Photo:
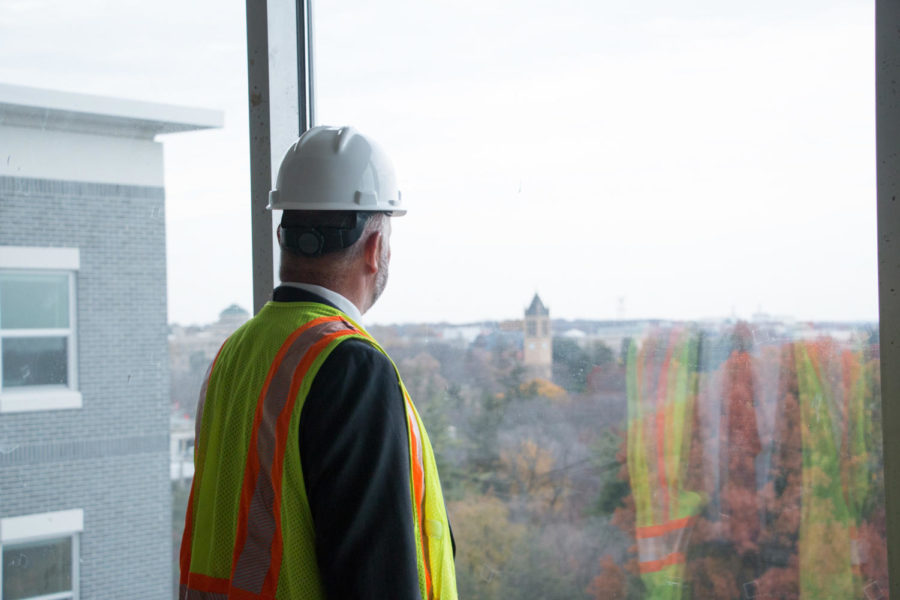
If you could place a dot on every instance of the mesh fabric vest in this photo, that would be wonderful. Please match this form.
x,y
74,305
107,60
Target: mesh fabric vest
x,y
248,529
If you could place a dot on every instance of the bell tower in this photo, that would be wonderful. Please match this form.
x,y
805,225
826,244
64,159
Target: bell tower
x,y
538,355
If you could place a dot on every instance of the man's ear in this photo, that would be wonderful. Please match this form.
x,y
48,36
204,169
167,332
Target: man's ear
x,y
372,252
278,234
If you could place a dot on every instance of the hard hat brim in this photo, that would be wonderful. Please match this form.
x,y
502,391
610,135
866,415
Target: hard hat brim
x,y
274,204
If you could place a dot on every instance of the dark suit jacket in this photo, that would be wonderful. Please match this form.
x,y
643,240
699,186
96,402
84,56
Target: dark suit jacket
x,y
354,451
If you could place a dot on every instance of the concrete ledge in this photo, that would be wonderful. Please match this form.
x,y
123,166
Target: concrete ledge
x,y
31,401
43,525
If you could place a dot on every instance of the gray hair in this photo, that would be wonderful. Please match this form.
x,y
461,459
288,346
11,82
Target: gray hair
x,y
328,269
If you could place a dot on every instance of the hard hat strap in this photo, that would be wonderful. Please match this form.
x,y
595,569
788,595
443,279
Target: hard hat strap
x,y
321,239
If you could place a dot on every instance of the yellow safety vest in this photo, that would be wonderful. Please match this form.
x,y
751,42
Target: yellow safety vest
x,y
248,530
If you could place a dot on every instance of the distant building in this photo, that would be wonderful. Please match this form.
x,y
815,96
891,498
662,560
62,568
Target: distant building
x,y
191,350
85,495
462,335
233,317
181,449
202,342
538,342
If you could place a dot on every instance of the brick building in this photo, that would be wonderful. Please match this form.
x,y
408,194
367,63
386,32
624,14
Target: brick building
x,y
85,500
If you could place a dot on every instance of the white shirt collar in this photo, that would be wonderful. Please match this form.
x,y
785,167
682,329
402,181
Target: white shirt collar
x,y
339,301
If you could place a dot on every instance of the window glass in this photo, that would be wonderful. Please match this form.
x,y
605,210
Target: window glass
x,y
34,301
34,361
690,186
674,181
37,569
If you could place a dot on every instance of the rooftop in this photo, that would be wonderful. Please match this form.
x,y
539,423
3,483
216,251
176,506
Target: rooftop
x,y
537,308
22,106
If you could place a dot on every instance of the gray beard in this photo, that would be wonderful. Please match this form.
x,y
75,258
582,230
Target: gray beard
x,y
381,278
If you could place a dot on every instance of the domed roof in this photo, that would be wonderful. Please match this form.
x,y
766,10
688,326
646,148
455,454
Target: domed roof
x,y
234,311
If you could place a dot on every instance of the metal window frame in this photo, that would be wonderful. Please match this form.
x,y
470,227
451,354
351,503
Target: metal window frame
x,y
887,133
887,55
260,127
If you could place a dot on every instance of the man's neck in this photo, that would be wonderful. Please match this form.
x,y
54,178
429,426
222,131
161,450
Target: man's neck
x,y
339,300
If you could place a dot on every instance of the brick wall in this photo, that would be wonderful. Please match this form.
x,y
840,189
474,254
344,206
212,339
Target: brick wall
x,y
110,457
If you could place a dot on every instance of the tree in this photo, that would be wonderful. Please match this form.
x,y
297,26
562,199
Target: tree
x,y
486,543
571,364
724,551
610,584
740,440
812,409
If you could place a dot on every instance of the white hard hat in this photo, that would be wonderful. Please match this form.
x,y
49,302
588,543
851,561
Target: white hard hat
x,y
336,168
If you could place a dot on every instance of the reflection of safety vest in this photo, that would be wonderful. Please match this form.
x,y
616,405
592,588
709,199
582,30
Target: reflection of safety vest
x,y
248,530
661,396
826,529
661,546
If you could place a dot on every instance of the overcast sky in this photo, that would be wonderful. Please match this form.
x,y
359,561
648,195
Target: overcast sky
x,y
680,159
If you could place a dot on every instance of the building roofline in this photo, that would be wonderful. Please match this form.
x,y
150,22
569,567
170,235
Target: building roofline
x,y
22,106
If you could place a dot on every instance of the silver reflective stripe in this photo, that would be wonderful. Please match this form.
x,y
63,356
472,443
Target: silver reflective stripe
x,y
654,548
184,593
254,559
659,547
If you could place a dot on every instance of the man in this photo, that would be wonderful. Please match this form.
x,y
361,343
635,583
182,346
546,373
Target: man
x,y
314,477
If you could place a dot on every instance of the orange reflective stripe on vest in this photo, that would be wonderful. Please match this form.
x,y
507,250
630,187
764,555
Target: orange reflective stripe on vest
x,y
660,546
418,477
258,542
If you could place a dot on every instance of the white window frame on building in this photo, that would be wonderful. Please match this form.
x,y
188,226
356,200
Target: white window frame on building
x,y
44,261
44,527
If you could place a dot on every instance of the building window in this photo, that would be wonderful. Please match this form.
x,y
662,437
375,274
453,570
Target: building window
x,y
532,328
38,358
40,556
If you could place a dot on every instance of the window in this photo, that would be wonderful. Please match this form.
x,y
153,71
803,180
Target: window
x,y
723,441
40,556
38,362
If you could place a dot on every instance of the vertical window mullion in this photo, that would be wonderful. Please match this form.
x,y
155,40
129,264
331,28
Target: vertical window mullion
x,y
76,575
268,79
887,108
72,355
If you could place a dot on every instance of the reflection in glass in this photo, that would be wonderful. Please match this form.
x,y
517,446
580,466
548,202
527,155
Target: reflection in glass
x,y
37,569
676,461
284,103
35,361
753,465
34,301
